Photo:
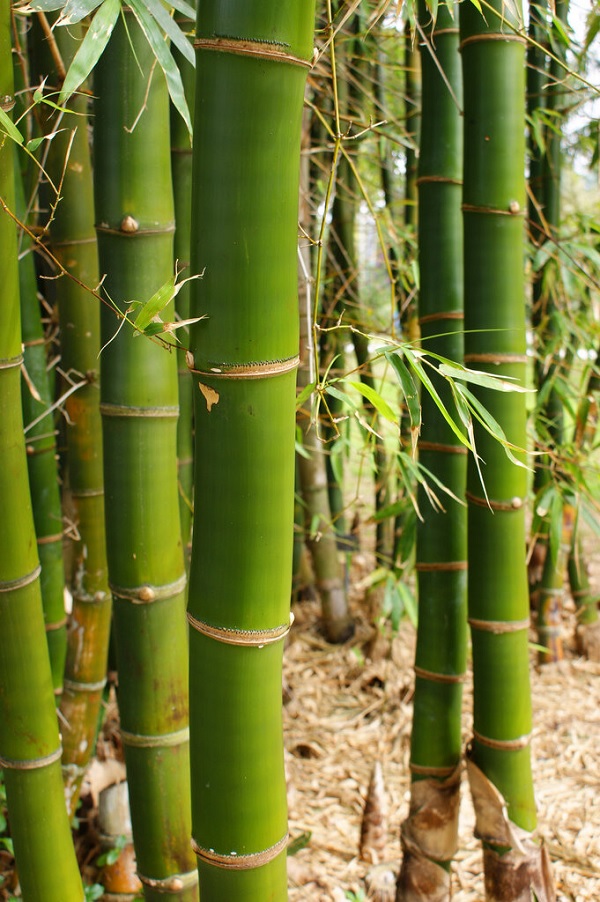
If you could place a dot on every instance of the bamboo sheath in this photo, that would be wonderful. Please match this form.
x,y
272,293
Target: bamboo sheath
x,y
252,62
441,551
134,214
41,453
29,740
493,56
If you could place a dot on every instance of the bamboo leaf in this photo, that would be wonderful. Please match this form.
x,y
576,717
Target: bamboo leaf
x,y
9,127
379,403
409,389
341,396
185,9
91,48
491,425
171,29
299,842
305,393
155,305
486,380
555,527
165,60
426,381
76,10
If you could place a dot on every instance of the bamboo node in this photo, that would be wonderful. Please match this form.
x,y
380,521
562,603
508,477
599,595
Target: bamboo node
x,y
10,585
75,686
441,566
146,594
230,636
436,677
11,362
426,771
31,763
508,745
256,370
121,410
57,625
262,49
174,883
158,741
514,504
129,224
237,862
498,626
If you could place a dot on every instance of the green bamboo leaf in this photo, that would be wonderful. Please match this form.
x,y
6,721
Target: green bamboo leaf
x,y
379,403
336,453
305,393
491,425
409,389
299,842
427,383
43,6
165,60
76,10
185,9
487,380
8,126
341,396
91,48
153,307
409,602
171,29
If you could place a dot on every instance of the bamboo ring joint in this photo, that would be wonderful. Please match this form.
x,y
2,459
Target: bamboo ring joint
x,y
11,362
12,584
236,862
444,314
261,49
444,449
258,370
497,359
439,677
75,686
251,638
441,566
31,763
120,410
425,771
498,627
514,504
491,36
56,625
174,883
160,741
506,745
146,594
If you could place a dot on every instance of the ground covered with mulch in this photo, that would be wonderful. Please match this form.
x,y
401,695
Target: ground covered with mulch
x,y
347,707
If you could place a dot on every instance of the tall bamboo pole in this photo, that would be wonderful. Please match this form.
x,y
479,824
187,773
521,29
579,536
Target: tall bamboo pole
x,y
430,833
73,243
251,68
29,741
493,54
134,209
37,398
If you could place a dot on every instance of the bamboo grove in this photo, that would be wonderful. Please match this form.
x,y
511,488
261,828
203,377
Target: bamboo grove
x,y
265,303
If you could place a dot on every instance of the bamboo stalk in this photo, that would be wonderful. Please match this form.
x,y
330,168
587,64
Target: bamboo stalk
x,y
493,54
29,740
429,841
134,208
251,68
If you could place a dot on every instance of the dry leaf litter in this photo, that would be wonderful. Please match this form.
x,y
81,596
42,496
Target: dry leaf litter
x,y
348,707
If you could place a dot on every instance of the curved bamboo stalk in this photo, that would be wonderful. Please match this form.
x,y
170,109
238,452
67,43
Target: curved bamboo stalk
x,y
493,54
429,842
134,208
252,63
29,740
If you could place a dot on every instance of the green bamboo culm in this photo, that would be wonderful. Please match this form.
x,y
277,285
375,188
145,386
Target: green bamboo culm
x,y
29,740
441,550
73,243
499,761
252,61
134,214
181,163
42,465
